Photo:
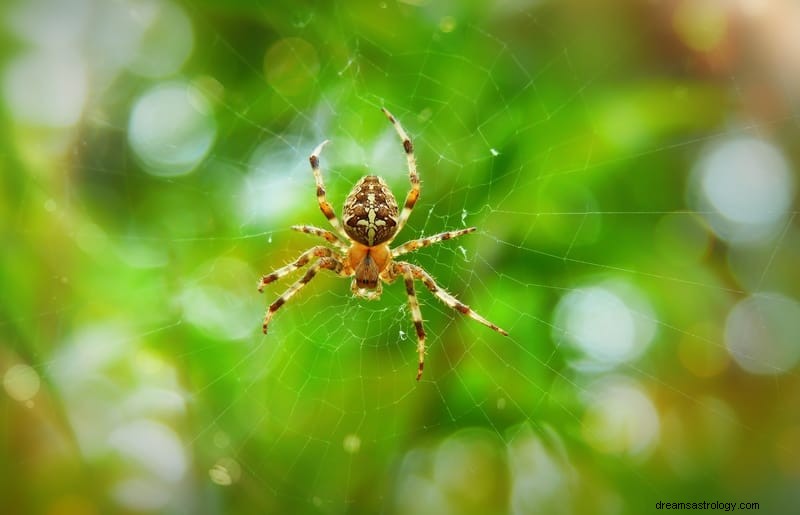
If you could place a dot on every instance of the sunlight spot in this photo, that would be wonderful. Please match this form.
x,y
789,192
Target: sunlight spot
x,y
291,66
701,24
151,400
747,184
91,239
167,41
542,478
447,24
494,152
698,437
608,324
352,443
213,302
466,467
142,494
21,382
142,254
221,439
47,89
279,179
225,472
171,129
620,418
53,24
153,446
210,88
761,333
754,8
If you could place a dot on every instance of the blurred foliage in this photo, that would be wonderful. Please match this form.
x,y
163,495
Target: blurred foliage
x,y
136,376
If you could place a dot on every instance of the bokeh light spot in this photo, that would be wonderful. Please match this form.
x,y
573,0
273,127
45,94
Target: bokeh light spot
x,y
152,445
171,129
600,323
620,418
291,66
167,41
225,472
746,183
51,24
21,382
465,466
141,494
761,333
220,309
701,24
541,476
352,443
46,89
279,179
447,24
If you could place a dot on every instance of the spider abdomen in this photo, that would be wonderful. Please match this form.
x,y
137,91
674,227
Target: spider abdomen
x,y
370,212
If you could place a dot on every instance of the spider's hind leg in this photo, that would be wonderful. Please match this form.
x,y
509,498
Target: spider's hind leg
x,y
445,297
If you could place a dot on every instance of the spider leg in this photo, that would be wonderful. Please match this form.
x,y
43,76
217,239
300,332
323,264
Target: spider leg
x,y
411,246
454,303
413,176
324,205
329,263
416,316
322,233
317,251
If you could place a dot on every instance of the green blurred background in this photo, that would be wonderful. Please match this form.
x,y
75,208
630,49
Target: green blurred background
x,y
631,168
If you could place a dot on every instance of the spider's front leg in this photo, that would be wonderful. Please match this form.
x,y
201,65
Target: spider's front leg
x,y
330,263
322,199
317,251
413,175
322,233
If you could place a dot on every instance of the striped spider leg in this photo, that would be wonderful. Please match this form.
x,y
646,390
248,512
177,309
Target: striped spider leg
x,y
326,259
411,246
410,273
322,233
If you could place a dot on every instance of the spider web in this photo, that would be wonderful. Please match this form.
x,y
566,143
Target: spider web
x,y
619,285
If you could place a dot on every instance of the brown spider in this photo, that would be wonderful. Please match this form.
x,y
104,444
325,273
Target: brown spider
x,y
370,224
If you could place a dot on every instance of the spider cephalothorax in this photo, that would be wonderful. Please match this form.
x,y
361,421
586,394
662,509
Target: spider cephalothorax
x,y
371,222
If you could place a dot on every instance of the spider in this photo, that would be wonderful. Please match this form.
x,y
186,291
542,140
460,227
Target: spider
x,y
371,222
